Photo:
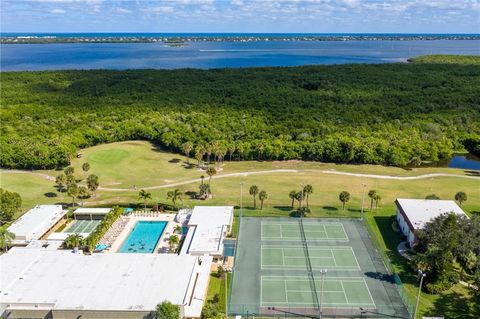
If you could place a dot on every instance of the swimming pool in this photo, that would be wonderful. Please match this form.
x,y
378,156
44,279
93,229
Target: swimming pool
x,y
143,238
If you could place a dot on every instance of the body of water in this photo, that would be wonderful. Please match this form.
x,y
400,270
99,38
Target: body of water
x,y
465,162
212,54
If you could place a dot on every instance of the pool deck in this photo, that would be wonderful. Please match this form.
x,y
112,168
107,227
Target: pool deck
x,y
162,245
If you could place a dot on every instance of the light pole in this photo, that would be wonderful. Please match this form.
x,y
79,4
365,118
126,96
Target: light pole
x,y
323,272
301,202
422,275
363,200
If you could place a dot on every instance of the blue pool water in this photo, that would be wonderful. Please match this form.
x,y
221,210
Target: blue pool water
x,y
143,238
229,248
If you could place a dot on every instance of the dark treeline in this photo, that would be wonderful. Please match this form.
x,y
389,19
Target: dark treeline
x,y
392,114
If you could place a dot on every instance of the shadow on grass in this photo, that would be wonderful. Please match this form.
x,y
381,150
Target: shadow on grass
x,y
50,194
191,194
283,208
175,160
472,173
453,305
330,208
354,210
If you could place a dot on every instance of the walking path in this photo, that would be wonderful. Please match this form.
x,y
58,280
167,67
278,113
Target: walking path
x,y
190,181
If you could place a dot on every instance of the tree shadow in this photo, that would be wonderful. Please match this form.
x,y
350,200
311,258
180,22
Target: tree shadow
x,y
331,208
191,194
453,305
283,208
50,194
380,276
189,165
175,160
354,210
472,173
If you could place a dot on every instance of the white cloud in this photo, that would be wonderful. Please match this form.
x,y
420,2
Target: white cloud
x,y
58,11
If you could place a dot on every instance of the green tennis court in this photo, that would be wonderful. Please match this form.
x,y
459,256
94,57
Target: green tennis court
x,y
82,226
313,231
293,257
332,292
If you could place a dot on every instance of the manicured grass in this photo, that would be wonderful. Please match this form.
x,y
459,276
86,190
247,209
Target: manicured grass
x,y
447,59
217,286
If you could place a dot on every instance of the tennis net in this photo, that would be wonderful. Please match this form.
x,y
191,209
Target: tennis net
x,y
309,265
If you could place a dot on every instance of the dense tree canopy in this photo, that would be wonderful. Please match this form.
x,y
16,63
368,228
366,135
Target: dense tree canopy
x,y
10,203
381,114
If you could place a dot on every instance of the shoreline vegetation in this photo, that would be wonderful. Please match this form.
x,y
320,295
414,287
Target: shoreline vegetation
x,y
447,59
142,38
389,114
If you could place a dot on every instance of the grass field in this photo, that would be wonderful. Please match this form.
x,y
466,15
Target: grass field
x,y
122,165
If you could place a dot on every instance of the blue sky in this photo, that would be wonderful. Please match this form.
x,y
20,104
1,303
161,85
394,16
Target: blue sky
x,y
379,16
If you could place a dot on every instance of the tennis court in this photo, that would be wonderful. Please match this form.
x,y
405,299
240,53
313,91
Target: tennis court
x,y
272,230
331,292
82,226
293,257
302,267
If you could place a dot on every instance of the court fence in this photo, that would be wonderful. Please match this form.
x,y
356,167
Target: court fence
x,y
409,304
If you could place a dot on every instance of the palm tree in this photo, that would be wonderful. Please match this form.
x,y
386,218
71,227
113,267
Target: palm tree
x,y
461,197
82,193
262,196
187,148
173,241
292,196
210,172
73,241
231,149
92,183
254,191
85,167
69,170
372,193
178,229
145,196
72,191
202,178
208,150
308,190
377,199
199,153
61,182
6,238
174,196
299,197
344,197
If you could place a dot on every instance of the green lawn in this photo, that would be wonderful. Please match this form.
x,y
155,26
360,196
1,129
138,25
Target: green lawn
x,y
121,165
217,286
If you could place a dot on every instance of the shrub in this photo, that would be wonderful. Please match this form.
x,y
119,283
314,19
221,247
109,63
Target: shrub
x,y
167,310
92,240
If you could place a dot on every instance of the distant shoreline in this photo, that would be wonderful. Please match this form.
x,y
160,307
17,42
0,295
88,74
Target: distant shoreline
x,y
168,39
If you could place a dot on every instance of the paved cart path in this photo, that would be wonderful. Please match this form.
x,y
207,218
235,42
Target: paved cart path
x,y
293,171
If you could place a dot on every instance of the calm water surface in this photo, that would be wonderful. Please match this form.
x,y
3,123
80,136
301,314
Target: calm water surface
x,y
21,57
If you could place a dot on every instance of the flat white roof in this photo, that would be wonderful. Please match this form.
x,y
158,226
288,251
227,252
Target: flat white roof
x,y
209,222
92,211
35,278
421,211
36,222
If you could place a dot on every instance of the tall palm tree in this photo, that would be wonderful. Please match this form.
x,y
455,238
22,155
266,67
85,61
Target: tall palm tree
x,y
92,183
199,154
82,193
254,191
344,197
372,193
461,197
145,196
299,197
61,182
174,196
377,199
202,178
208,150
307,191
72,191
6,238
187,148
231,149
262,196
210,172
292,196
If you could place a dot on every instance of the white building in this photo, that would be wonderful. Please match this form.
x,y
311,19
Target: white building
x,y
91,213
413,214
35,223
208,227
42,283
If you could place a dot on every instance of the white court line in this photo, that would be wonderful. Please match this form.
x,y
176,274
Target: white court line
x,y
369,293
286,290
334,259
344,293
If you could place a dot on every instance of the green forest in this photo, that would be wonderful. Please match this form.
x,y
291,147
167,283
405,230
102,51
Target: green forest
x,y
391,114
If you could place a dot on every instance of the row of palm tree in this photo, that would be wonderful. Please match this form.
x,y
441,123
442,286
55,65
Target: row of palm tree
x,y
305,192
262,195
68,182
